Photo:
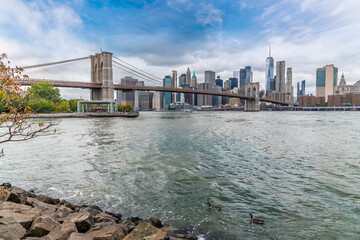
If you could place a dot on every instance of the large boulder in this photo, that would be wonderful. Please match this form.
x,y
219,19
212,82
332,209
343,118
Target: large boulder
x,y
141,231
17,195
10,229
178,234
81,236
63,211
90,210
62,232
48,200
104,217
127,226
82,220
154,221
42,226
44,207
103,230
22,214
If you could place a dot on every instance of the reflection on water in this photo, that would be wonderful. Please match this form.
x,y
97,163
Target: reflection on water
x,y
297,170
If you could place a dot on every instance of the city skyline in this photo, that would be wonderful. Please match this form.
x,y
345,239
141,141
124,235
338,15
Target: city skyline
x,y
160,36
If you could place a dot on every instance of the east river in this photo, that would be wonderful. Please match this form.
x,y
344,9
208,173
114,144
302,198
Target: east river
x,y
299,171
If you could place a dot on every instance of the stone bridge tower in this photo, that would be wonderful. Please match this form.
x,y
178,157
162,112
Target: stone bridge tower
x,y
252,89
101,72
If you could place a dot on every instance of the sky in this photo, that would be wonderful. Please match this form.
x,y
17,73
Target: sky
x,y
163,35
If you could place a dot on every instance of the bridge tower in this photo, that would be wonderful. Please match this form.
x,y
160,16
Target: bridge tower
x,y
252,89
101,72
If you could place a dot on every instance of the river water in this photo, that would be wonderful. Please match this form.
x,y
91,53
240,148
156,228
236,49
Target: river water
x,y
299,171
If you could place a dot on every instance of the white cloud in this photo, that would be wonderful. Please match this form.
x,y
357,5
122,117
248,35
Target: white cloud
x,y
207,14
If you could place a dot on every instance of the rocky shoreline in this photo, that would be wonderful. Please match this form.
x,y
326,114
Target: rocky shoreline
x,y
25,215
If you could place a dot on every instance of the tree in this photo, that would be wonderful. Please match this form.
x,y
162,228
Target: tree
x,y
14,124
45,90
125,108
73,104
63,106
42,106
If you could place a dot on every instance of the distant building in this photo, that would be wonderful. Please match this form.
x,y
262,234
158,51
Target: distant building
x,y
182,80
236,74
216,100
249,74
167,83
204,100
326,81
234,83
175,84
280,77
219,82
269,73
302,91
288,90
193,81
137,102
188,77
210,77
128,97
234,102
242,77
297,92
343,89
227,84
147,100
158,100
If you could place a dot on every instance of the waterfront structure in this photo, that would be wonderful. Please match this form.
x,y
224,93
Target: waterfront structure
x,y
219,82
137,100
249,75
280,76
326,81
147,100
269,73
343,89
348,99
193,81
210,77
167,83
289,92
188,77
310,101
182,80
233,83
128,97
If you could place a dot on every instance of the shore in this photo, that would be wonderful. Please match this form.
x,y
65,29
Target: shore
x,y
83,115
26,215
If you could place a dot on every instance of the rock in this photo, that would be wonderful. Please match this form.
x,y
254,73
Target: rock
x,y
90,210
11,231
7,185
31,193
119,234
17,195
103,230
45,207
135,220
62,232
62,202
178,234
42,226
159,236
141,231
47,199
127,225
104,217
20,213
81,236
96,208
82,220
154,221
63,211
70,205
118,216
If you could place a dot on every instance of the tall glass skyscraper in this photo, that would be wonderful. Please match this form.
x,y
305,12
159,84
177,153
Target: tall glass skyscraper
x,y
167,82
269,74
249,74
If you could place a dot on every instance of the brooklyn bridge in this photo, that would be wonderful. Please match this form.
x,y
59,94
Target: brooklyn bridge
x,y
102,86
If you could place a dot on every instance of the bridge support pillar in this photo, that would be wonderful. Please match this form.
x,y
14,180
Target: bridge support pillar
x,y
252,105
101,72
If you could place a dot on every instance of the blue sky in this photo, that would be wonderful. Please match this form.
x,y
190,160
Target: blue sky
x,y
161,35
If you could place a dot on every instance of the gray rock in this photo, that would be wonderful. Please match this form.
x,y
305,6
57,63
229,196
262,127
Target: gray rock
x,y
44,207
17,195
70,205
20,213
90,210
62,232
127,226
11,231
82,220
154,221
81,236
141,231
103,230
64,211
42,226
104,217
119,234
47,199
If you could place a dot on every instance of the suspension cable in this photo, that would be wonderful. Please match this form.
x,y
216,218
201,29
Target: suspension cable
x,y
54,63
137,75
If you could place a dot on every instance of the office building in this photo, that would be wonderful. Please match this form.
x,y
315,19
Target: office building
x,y
219,82
234,83
297,92
188,77
128,97
288,87
182,80
210,77
147,100
158,100
216,100
343,89
137,102
326,81
204,100
302,91
227,85
249,75
167,83
193,81
269,72
280,77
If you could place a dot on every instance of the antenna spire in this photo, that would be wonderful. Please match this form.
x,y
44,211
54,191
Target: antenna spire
x,y
269,50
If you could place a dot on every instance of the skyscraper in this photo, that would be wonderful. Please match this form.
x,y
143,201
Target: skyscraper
x,y
269,74
288,90
326,81
167,82
182,80
188,77
219,82
303,87
298,92
174,78
280,76
193,80
210,77
233,82
249,74
128,97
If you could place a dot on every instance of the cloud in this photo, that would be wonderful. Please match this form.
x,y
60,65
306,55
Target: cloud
x,y
207,14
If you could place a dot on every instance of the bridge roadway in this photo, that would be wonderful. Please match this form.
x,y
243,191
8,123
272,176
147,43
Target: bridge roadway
x,y
90,85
